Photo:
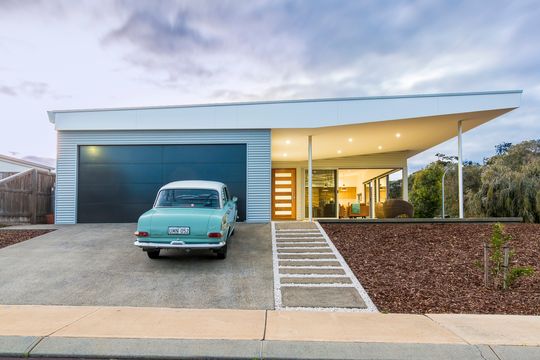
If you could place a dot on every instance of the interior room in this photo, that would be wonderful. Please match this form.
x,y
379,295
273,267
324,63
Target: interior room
x,y
356,186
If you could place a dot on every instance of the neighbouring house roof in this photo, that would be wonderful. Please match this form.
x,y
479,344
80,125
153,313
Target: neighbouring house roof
x,y
23,163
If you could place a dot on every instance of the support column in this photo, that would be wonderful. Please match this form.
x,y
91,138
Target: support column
x,y
460,169
310,180
371,200
376,190
405,182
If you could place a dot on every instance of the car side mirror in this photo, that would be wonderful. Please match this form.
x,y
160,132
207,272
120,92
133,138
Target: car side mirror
x,y
234,199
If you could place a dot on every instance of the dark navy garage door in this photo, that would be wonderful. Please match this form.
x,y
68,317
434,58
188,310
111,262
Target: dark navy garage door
x,y
117,183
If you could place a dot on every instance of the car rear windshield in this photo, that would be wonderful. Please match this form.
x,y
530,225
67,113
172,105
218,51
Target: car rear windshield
x,y
188,198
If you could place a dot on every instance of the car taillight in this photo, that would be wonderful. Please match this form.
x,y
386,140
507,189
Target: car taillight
x,y
141,233
214,235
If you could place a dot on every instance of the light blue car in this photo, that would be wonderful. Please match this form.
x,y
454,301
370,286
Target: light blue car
x,y
188,215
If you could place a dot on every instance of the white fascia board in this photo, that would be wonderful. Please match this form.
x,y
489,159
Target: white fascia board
x,y
284,114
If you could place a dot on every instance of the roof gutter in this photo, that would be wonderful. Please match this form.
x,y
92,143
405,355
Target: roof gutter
x,y
53,113
52,116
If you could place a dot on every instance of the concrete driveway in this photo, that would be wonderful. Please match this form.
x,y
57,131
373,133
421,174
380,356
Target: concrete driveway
x,y
97,264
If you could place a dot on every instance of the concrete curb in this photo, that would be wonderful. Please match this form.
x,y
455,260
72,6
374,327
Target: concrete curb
x,y
124,332
252,349
18,346
372,351
147,348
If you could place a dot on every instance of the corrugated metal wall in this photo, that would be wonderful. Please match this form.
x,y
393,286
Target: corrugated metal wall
x,y
258,162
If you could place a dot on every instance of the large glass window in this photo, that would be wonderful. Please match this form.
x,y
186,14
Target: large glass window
x,y
395,183
324,193
188,198
383,189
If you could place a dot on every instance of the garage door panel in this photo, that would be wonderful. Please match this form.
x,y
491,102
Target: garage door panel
x,y
122,154
115,194
204,153
224,172
119,183
101,212
124,174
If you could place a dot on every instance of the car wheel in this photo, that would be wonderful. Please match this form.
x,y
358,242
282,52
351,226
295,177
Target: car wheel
x,y
222,253
153,254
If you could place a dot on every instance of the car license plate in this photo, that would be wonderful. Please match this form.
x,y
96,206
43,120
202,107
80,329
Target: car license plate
x,y
178,230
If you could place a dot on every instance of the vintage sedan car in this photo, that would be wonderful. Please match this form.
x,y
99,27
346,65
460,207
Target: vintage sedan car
x,y
188,215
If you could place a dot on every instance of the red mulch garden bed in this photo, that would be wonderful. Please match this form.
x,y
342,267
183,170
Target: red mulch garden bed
x,y
10,237
434,268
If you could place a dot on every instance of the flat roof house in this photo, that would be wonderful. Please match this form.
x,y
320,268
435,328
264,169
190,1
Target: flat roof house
x,y
10,165
111,162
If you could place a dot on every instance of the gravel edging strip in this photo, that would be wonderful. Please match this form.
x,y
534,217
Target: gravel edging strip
x,y
370,306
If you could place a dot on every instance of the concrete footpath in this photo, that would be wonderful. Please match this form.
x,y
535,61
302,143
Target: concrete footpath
x,y
129,332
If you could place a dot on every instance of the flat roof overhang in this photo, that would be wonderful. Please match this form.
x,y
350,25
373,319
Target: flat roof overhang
x,y
407,136
422,121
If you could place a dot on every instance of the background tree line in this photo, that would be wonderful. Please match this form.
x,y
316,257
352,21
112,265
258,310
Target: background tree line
x,y
506,184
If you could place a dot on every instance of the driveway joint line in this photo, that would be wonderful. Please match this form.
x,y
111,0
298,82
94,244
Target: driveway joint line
x,y
492,351
447,329
41,338
265,324
32,346
74,321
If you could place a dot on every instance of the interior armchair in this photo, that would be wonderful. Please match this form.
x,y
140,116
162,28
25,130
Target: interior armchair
x,y
356,210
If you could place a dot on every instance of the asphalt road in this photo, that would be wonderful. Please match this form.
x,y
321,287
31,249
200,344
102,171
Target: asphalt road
x,y
97,264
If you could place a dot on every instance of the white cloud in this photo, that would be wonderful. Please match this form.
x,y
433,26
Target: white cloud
x,y
65,54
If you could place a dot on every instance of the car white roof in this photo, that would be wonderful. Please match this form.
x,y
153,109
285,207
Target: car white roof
x,y
194,184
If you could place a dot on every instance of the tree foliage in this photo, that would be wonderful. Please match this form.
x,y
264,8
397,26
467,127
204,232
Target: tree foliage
x,y
511,183
426,191
507,184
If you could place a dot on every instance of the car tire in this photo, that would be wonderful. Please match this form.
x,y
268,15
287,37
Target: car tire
x,y
222,253
153,254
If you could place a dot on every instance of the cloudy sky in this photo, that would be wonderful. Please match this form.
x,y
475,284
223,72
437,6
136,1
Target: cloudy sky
x,y
85,54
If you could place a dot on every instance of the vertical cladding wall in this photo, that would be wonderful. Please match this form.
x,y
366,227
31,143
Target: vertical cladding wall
x,y
258,162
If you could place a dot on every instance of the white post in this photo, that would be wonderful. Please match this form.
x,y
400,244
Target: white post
x,y
371,200
460,170
310,179
442,188
405,182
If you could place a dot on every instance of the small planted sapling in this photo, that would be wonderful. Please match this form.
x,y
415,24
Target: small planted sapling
x,y
497,259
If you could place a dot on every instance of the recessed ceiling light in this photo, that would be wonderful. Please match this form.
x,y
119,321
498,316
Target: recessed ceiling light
x,y
284,154
380,147
350,139
287,142
398,135
339,151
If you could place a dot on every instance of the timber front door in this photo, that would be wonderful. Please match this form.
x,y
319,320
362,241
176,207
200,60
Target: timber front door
x,y
284,194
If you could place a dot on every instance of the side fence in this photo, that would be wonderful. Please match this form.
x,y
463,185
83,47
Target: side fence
x,y
26,197
4,175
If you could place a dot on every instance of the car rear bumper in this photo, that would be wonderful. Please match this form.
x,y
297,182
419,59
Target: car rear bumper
x,y
178,245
